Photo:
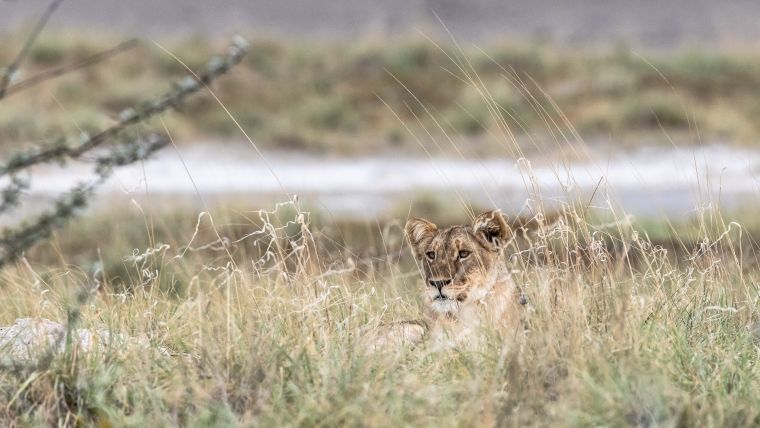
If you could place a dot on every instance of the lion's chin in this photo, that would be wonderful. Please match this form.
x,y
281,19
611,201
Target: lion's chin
x,y
445,306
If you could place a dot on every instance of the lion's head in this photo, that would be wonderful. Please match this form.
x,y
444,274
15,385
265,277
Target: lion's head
x,y
459,264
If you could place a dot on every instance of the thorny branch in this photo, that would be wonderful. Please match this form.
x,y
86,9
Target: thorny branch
x,y
9,197
126,149
69,68
14,242
140,113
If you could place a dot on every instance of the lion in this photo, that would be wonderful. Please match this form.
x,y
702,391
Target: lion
x,y
466,284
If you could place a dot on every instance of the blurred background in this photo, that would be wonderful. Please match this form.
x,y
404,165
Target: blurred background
x,y
643,23
374,111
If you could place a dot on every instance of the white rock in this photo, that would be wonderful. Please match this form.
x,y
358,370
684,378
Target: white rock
x,y
30,338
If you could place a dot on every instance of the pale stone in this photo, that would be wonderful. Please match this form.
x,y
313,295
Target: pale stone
x,y
30,338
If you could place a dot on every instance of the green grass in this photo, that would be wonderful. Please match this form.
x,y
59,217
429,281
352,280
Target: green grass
x,y
637,323
625,335
306,95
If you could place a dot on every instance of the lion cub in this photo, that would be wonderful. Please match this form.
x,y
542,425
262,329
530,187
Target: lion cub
x,y
466,283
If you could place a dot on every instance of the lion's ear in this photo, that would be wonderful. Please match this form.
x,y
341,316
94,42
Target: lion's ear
x,y
492,230
419,232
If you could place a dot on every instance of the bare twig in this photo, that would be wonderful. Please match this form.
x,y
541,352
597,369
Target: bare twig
x,y
13,242
13,67
57,72
188,86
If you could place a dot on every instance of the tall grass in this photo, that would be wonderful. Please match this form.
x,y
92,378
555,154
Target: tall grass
x,y
264,318
617,333
319,95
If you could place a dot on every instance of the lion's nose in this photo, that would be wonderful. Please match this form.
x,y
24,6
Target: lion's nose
x,y
439,284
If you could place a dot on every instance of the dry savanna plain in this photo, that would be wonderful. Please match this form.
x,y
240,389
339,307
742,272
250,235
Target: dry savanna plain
x,y
245,311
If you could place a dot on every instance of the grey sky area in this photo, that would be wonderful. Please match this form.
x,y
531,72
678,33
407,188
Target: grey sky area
x,y
642,23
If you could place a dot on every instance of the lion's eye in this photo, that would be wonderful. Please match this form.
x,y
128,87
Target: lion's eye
x,y
430,255
464,254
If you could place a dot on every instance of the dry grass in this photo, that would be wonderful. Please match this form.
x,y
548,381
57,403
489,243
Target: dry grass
x,y
264,316
618,334
323,97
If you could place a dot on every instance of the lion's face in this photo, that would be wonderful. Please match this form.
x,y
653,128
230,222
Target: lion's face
x,y
459,263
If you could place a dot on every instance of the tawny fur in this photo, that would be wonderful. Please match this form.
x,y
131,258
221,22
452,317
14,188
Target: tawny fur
x,y
466,285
